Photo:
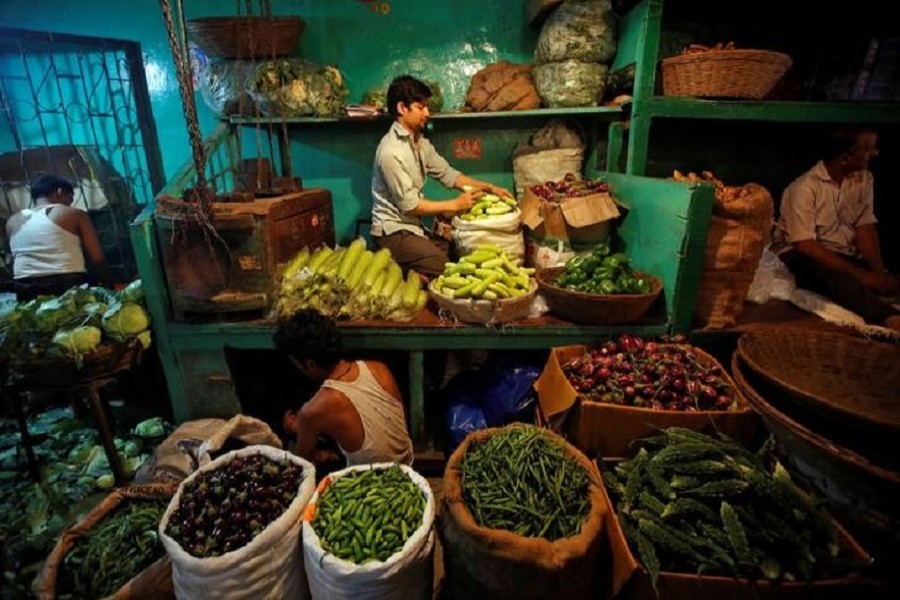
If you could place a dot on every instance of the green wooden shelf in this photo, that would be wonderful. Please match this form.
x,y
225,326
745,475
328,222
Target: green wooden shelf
x,y
751,110
611,112
258,335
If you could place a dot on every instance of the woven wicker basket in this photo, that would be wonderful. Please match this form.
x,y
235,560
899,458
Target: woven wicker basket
x,y
246,36
837,376
595,309
867,492
106,360
724,73
487,312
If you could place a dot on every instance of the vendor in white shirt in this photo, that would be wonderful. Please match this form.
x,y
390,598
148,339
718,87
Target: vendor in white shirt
x,y
49,240
827,231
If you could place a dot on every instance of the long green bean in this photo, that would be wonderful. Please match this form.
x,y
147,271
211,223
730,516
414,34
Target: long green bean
x,y
520,480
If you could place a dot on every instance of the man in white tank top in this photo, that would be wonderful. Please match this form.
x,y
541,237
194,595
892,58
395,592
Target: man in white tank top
x,y
49,241
358,404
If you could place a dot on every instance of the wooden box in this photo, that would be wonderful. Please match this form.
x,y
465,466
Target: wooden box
x,y
232,267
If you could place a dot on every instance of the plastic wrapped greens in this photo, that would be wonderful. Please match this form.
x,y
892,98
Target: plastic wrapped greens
x,y
570,83
290,87
583,30
223,85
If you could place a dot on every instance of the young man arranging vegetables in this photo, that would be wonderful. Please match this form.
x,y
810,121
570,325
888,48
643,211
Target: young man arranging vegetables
x,y
827,234
402,161
358,403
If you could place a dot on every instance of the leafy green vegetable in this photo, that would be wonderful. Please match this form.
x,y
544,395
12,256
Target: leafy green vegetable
x,y
154,427
80,340
122,321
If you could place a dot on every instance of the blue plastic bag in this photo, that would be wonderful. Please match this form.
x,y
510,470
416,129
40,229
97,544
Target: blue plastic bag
x,y
507,394
462,420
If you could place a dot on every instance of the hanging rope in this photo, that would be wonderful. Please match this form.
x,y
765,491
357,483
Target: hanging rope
x,y
202,192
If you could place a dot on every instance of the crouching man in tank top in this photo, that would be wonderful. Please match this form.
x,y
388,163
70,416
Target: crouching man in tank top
x,y
358,403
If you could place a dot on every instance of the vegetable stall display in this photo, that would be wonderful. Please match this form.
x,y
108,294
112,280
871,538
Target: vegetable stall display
x,y
368,533
635,372
232,529
349,283
697,504
602,272
73,325
522,517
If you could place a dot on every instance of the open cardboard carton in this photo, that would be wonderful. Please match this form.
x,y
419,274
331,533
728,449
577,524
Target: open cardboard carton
x,y
583,220
608,429
629,581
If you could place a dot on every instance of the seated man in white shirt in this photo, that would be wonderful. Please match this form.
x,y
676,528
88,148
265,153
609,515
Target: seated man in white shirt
x,y
358,404
827,233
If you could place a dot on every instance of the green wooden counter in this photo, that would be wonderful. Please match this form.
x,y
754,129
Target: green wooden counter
x,y
664,231
209,389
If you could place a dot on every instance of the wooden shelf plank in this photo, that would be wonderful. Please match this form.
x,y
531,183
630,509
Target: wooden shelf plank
x,y
754,110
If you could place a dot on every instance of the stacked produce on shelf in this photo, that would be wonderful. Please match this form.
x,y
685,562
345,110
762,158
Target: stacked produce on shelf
x,y
488,273
648,374
691,503
603,272
369,514
521,480
120,547
350,283
73,325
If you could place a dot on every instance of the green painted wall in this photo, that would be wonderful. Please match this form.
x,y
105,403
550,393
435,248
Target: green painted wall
x,y
444,41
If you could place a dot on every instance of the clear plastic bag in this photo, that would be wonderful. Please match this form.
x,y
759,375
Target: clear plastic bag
x,y
582,30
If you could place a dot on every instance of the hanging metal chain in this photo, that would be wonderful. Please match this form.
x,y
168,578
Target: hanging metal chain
x,y
182,71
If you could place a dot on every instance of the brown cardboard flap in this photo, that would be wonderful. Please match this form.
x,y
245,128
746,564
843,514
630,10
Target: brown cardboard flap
x,y
555,394
532,214
589,210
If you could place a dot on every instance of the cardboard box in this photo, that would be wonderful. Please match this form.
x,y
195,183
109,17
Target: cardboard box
x,y
581,221
598,428
629,581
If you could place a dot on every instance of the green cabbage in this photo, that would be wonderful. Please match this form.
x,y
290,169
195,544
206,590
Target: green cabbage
x,y
123,321
145,339
80,340
154,427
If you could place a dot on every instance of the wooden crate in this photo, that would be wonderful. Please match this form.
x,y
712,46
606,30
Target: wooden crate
x,y
233,269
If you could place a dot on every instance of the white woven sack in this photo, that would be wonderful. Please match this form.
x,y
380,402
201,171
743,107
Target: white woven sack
x,y
545,165
504,231
407,575
269,567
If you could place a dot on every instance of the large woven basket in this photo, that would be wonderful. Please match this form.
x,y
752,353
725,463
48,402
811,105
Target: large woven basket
x,y
840,377
595,309
246,36
867,493
106,360
724,73
487,312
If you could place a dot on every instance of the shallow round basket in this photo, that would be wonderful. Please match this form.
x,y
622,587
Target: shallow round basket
x,y
867,493
840,377
486,312
106,360
595,309
724,73
246,36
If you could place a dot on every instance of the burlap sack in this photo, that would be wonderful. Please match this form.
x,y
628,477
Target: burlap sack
x,y
171,463
153,583
738,233
497,564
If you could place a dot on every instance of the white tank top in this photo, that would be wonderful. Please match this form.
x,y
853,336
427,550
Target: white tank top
x,y
41,247
385,438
